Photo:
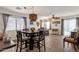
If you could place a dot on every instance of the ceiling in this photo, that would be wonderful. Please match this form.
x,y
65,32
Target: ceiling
x,y
45,10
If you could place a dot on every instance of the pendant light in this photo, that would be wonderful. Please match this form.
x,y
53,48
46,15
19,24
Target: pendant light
x,y
33,16
55,17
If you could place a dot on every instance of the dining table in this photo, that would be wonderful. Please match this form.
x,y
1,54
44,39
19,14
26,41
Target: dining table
x,y
31,40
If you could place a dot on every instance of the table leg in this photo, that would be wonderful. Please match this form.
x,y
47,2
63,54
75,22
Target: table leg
x,y
31,44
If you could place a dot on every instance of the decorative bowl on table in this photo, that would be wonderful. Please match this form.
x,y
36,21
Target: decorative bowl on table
x,y
32,29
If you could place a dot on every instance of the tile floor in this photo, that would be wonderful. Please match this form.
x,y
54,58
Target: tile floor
x,y
54,43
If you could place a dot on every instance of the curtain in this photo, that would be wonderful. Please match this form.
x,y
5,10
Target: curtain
x,y
69,26
77,23
62,26
25,22
5,21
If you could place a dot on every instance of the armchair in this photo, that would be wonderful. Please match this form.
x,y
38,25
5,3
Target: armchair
x,y
73,40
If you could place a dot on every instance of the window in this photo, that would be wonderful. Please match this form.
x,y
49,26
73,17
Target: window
x,y
11,25
20,23
46,24
69,26
15,23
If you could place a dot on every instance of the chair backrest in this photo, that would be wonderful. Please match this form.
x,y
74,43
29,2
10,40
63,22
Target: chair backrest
x,y
27,34
77,36
41,35
41,32
26,29
35,34
19,36
73,34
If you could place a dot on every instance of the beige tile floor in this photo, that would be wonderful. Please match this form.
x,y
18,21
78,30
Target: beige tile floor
x,y
54,43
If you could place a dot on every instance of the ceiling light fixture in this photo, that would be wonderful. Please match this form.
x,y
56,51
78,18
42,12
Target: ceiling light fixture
x,y
33,16
55,17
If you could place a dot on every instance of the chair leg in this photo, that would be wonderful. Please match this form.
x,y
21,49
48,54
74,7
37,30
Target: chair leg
x,y
77,45
63,43
68,43
21,47
17,46
26,43
44,46
38,45
74,47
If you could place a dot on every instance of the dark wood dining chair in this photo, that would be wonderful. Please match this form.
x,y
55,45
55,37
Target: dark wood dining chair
x,y
40,40
21,41
33,38
26,29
